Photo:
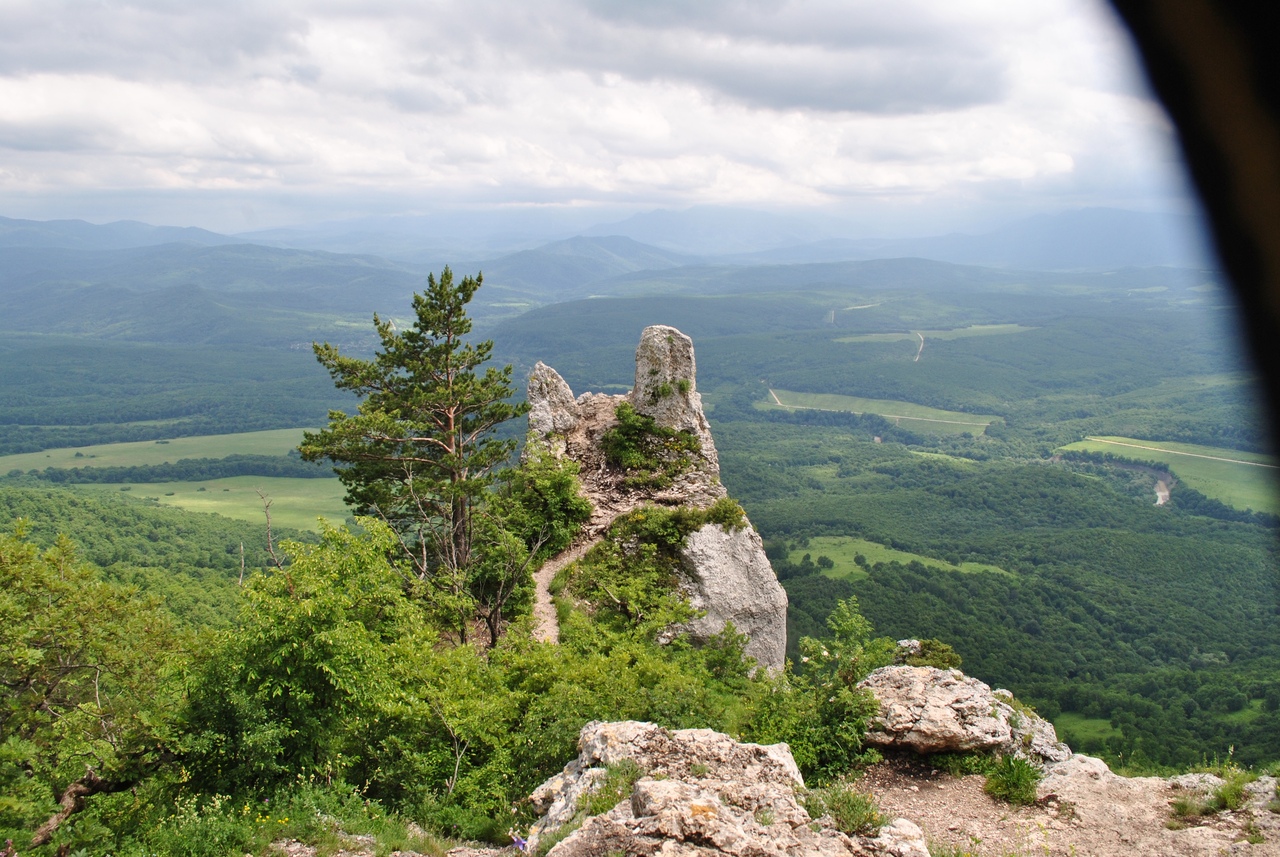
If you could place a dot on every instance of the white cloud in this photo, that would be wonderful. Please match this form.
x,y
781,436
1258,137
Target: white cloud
x,y
768,103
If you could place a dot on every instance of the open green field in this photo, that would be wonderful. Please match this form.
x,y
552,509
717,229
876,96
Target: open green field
x,y
1084,729
842,550
958,333
907,414
275,442
294,502
1243,480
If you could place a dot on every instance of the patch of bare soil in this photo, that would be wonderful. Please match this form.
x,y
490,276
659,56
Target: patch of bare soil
x,y
1085,811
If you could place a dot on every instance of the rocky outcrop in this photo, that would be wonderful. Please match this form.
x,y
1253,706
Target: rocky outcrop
x,y
701,793
728,577
552,411
930,710
666,388
726,574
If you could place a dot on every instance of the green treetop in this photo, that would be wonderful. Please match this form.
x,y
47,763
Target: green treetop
x,y
420,451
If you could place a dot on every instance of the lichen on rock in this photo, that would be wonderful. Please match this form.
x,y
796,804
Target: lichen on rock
x,y
703,793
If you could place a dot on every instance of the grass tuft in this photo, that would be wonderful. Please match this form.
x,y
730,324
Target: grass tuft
x,y
1013,780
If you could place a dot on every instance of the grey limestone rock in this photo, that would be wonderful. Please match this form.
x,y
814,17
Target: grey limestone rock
x,y
553,413
666,387
702,793
728,576
931,710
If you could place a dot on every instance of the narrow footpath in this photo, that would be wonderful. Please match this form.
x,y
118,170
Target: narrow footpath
x,y
546,626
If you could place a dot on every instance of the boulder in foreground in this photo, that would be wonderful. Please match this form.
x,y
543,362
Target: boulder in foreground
x,y
931,710
698,792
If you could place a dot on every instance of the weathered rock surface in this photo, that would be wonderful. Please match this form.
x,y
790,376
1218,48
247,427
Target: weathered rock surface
x,y
702,794
552,411
930,710
729,577
666,387
726,574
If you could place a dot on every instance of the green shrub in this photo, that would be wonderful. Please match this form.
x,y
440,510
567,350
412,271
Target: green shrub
x,y
1231,794
1013,780
852,811
1190,806
963,764
633,574
933,653
652,454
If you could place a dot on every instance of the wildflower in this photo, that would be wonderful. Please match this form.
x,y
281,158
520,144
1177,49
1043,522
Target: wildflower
x,y
516,840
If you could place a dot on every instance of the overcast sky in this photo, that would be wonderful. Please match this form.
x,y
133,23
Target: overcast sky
x,y
899,115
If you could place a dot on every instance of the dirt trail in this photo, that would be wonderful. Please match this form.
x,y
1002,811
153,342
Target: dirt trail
x,y
547,628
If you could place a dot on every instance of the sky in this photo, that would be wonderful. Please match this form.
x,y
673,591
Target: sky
x,y
893,117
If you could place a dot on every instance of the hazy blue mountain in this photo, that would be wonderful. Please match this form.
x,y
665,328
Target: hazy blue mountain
x,y
1085,239
565,268
235,267
190,293
706,230
437,238
82,235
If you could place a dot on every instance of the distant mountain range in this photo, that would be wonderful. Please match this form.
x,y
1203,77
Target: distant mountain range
x,y
1085,239
79,235
134,281
516,247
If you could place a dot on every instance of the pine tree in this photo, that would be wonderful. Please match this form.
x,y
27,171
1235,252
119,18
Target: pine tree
x,y
420,451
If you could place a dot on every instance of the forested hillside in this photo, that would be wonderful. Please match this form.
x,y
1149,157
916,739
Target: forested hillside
x,y
896,430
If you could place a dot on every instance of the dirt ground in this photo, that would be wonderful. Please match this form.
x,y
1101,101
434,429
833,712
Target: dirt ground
x,y
1089,812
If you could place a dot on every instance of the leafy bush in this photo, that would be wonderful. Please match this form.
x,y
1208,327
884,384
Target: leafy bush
x,y
934,653
652,454
1013,780
632,576
852,811
823,714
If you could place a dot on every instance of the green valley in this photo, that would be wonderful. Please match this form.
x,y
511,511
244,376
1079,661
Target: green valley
x,y
906,414
1242,480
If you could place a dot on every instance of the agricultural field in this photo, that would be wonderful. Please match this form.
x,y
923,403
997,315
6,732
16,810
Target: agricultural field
x,y
957,333
274,442
918,418
1242,480
842,550
296,503
1080,731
